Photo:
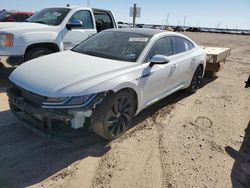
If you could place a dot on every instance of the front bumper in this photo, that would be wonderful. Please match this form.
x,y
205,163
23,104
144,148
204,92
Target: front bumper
x,y
27,106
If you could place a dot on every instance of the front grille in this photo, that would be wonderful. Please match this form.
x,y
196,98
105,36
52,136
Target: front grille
x,y
28,96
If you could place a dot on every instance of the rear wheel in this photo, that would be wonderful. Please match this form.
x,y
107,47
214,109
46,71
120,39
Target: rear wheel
x,y
37,52
196,80
112,118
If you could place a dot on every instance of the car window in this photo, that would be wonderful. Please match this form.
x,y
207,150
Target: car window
x,y
20,17
162,46
85,17
181,45
190,44
103,21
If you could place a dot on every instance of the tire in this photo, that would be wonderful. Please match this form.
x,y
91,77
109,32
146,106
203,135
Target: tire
x,y
112,118
36,52
196,80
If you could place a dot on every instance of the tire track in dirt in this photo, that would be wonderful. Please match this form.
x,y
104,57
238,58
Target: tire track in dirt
x,y
148,137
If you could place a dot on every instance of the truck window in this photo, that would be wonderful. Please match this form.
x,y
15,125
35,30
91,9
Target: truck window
x,y
50,16
20,17
85,17
103,21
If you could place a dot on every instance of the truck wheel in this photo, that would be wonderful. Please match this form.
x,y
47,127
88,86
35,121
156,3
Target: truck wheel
x,y
36,52
112,118
196,80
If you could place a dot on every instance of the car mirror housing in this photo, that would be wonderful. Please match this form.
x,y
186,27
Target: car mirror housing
x,y
159,59
74,24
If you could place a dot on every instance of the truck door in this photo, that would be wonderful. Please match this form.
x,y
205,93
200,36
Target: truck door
x,y
76,35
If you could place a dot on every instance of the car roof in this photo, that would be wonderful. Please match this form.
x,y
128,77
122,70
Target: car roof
x,y
145,31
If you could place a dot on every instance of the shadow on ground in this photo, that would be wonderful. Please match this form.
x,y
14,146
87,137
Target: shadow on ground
x,y
240,175
27,158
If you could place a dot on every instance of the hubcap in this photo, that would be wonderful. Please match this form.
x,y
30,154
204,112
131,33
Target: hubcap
x,y
119,116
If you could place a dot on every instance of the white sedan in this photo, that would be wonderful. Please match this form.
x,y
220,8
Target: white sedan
x,y
108,79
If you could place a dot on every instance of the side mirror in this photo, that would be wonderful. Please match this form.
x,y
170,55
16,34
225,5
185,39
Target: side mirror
x,y
74,24
159,59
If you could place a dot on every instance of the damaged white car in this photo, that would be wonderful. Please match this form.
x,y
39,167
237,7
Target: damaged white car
x,y
108,78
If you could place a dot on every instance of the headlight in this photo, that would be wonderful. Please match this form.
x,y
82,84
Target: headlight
x,y
79,100
68,101
6,40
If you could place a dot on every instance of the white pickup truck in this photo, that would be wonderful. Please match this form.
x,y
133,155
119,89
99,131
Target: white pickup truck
x,y
50,30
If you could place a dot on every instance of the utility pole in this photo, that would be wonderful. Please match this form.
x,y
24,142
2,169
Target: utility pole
x,y
218,25
184,22
167,19
134,15
88,3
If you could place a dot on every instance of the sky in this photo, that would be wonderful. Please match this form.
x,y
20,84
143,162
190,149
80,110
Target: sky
x,y
204,13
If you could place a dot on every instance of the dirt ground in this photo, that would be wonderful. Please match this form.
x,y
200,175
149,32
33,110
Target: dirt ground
x,y
182,141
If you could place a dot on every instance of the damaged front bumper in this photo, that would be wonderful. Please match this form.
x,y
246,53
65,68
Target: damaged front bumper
x,y
26,104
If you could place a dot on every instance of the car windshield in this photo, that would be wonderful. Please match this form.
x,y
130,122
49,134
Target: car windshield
x,y
4,15
50,16
117,45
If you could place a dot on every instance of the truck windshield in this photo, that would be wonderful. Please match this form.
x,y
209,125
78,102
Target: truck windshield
x,y
117,45
4,15
50,16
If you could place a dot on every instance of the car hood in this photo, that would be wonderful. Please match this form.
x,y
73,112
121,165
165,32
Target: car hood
x,y
67,73
15,26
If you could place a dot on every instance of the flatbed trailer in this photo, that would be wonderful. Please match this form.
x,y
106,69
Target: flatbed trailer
x,y
216,58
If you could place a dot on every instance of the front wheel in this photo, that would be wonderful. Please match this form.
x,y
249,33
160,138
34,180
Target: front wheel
x,y
196,80
37,52
112,118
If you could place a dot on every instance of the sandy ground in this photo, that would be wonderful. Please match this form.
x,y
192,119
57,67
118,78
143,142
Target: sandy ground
x,y
182,141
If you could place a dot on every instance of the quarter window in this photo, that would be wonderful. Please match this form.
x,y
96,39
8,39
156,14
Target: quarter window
x,y
162,47
85,17
181,45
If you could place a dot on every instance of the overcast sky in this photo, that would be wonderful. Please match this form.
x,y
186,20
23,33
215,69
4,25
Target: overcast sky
x,y
206,13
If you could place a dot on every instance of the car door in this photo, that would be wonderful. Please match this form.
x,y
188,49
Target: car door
x,y
76,35
184,55
157,81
